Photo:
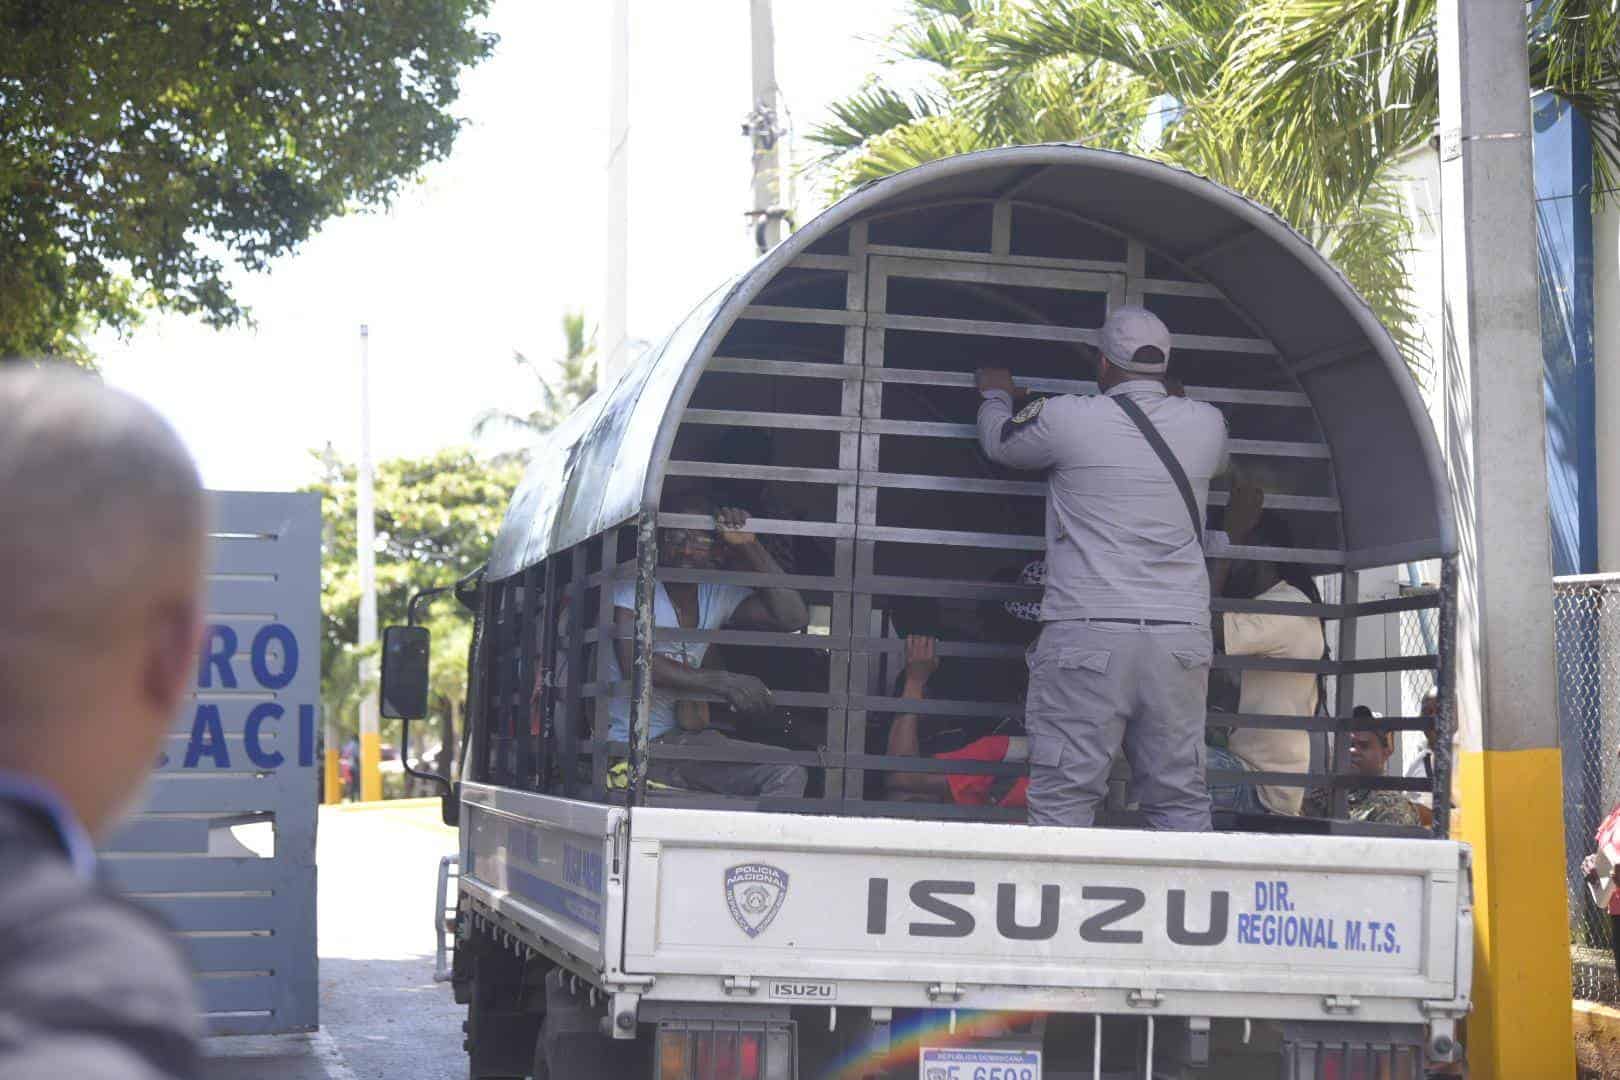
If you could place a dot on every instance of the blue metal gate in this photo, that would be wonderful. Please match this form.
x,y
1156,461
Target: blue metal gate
x,y
224,848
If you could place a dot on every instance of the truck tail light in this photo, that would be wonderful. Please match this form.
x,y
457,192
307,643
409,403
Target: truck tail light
x,y
1352,1061
718,1050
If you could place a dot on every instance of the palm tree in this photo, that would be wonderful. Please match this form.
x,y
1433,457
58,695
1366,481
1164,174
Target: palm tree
x,y
1310,107
575,380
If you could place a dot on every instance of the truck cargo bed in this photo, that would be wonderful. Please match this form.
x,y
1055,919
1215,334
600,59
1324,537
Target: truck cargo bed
x,y
699,905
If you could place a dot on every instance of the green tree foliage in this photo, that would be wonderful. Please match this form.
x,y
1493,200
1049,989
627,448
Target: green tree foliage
x,y
573,380
436,519
1308,106
145,142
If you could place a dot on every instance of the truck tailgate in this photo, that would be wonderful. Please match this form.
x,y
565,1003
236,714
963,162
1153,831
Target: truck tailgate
x,y
908,912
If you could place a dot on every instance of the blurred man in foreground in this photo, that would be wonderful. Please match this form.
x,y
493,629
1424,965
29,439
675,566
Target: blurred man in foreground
x,y
102,529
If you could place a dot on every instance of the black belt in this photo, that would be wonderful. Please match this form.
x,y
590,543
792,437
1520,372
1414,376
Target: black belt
x,y
1144,622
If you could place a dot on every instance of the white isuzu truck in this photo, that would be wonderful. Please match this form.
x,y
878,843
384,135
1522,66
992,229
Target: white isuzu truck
x,y
609,919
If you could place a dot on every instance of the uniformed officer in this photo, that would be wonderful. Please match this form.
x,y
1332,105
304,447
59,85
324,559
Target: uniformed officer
x,y
101,558
1124,653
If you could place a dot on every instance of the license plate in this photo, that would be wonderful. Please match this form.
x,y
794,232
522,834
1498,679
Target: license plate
x,y
959,1063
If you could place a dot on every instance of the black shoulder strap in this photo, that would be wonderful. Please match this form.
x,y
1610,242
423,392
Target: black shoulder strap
x,y
1168,457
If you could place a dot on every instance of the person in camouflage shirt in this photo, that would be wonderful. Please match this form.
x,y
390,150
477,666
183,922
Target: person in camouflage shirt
x,y
1369,754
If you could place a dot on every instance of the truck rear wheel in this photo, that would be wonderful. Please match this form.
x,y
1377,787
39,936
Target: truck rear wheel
x,y
571,1045
503,1021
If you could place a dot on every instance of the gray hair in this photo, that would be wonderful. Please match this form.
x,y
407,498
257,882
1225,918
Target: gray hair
x,y
96,494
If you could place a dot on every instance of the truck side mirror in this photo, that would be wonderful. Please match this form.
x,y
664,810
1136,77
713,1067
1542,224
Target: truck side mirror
x,y
405,672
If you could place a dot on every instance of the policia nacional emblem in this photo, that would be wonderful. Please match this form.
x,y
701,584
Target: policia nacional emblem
x,y
1029,412
755,893
1022,418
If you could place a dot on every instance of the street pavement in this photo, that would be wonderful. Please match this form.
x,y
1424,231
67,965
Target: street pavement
x,y
382,1015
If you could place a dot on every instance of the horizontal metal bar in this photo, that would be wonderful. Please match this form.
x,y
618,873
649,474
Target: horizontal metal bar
x,y
826,316
1169,287
1276,501
743,418
1315,723
1270,448
983,328
848,807
963,484
1101,266
949,766
771,639
1310,556
1389,605
769,526
1083,388
1584,582
1374,666
943,430
1276,607
1350,781
738,751
1222,343
935,706
931,429
1047,332
998,272
724,470
991,486
704,800
753,579
971,650
1000,541
802,698
1026,542
954,588
792,369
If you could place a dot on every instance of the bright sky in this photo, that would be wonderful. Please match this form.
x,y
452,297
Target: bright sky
x,y
486,253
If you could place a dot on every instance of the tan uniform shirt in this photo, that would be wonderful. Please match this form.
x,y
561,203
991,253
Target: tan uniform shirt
x,y
1275,693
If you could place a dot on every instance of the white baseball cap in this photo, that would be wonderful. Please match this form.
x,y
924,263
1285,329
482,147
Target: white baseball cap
x,y
1129,329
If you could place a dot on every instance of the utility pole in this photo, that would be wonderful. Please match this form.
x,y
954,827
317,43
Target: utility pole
x,y
614,357
365,539
332,788
1509,776
763,128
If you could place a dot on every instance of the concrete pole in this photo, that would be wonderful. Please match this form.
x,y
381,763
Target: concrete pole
x,y
764,129
614,355
1509,773
365,538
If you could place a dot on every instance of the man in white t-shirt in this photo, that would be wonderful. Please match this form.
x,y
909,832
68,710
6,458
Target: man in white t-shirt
x,y
677,666
1267,693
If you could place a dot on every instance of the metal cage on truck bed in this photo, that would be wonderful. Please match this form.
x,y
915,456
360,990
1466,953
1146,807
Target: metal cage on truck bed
x,y
829,391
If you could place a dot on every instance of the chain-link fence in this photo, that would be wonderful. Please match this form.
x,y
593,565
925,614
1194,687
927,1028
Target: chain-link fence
x,y
1420,631
1587,631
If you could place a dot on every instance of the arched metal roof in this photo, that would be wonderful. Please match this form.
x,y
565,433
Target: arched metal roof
x,y
606,462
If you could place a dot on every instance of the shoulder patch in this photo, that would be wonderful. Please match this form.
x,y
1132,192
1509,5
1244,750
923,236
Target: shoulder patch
x,y
1029,412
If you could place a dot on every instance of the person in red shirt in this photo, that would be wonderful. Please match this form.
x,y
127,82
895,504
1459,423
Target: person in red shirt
x,y
1608,843
921,663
